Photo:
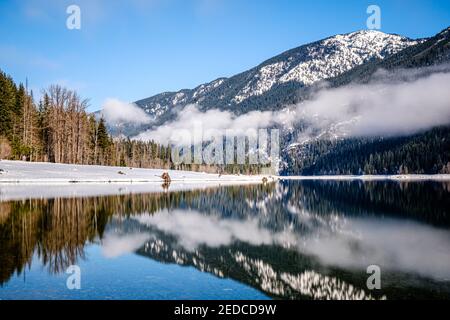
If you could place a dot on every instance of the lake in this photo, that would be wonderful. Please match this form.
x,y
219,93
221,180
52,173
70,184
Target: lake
x,y
281,240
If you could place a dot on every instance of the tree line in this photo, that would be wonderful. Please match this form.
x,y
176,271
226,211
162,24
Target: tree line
x,y
421,153
58,128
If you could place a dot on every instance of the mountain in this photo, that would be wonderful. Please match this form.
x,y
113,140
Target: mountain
x,y
433,51
422,152
274,83
295,76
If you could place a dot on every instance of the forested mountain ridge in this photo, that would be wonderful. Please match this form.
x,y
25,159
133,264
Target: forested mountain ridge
x,y
423,152
274,82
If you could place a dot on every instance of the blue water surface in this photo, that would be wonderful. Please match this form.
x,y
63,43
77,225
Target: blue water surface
x,y
126,277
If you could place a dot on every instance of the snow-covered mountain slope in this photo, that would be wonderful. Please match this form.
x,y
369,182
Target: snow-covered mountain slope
x,y
322,60
431,52
272,83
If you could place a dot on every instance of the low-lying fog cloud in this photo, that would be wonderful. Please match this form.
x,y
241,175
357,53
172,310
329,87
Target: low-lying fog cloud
x,y
382,108
116,112
191,119
394,103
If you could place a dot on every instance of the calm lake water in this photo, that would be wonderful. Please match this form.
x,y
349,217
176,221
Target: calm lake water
x,y
288,240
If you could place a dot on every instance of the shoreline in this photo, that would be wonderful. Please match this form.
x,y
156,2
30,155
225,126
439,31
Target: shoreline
x,y
38,180
395,177
45,173
21,172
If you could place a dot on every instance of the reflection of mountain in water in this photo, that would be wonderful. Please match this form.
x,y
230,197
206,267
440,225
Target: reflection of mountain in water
x,y
289,239
273,269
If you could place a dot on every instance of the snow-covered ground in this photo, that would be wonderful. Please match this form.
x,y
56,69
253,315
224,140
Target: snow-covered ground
x,y
52,173
38,172
27,180
396,177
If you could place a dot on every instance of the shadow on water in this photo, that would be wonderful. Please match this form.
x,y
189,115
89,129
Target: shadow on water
x,y
295,240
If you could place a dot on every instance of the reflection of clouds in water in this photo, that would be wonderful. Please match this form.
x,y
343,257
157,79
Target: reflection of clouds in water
x,y
393,244
317,223
193,229
115,245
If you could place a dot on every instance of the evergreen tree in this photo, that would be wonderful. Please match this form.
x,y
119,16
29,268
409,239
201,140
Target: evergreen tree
x,y
7,104
102,135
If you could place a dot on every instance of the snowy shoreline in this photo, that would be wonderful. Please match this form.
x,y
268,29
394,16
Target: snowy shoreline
x,y
53,173
33,180
20,172
395,177
25,180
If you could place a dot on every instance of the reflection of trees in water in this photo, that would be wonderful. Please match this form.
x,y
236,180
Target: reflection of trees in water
x,y
58,229
424,201
36,225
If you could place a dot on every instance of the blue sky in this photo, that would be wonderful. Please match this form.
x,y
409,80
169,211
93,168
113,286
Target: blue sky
x,y
132,49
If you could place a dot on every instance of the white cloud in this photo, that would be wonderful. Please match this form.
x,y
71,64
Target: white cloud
x,y
191,119
382,107
395,103
115,112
